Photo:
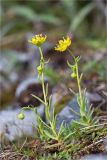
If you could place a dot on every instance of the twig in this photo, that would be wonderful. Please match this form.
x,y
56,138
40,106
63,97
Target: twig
x,y
93,144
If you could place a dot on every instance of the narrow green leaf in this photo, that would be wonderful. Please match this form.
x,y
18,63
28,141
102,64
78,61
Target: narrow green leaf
x,y
38,98
78,19
49,135
31,15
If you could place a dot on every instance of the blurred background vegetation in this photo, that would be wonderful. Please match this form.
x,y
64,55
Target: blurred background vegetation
x,y
82,17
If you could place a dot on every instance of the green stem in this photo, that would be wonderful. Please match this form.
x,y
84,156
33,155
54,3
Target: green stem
x,y
41,54
42,63
43,85
79,85
78,79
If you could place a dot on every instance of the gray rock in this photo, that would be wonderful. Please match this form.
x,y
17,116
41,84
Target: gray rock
x,y
12,65
67,115
95,157
26,88
12,128
105,143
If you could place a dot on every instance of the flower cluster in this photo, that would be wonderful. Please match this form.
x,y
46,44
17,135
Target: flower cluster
x,y
38,40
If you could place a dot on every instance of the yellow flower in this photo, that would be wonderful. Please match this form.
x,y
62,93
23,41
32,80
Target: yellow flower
x,y
63,44
38,40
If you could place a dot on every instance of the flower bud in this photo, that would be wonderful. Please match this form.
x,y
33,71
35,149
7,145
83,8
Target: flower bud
x,y
40,69
21,116
73,75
